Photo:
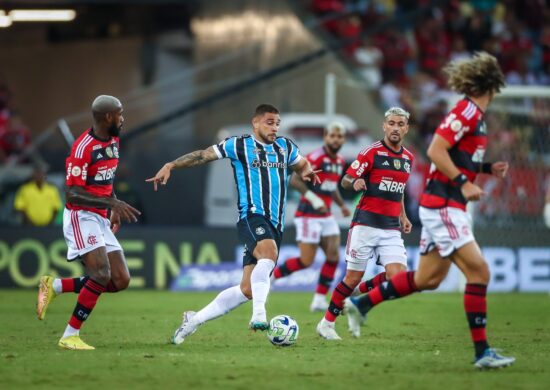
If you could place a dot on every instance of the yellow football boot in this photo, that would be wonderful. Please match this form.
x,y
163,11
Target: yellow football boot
x,y
45,296
74,343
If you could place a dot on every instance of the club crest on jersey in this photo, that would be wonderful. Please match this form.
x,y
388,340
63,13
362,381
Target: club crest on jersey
x,y
355,164
397,164
115,150
260,231
76,171
407,167
109,151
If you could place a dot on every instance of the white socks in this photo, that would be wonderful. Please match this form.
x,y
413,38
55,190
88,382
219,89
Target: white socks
x,y
226,301
70,331
260,287
57,287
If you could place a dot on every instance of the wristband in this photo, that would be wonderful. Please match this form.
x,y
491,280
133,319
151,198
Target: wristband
x,y
486,167
460,180
315,201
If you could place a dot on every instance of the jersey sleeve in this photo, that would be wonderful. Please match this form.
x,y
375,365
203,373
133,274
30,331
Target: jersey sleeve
x,y
361,166
226,148
455,125
77,168
294,155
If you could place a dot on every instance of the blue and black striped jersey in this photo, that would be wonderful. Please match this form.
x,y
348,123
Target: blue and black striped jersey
x,y
262,173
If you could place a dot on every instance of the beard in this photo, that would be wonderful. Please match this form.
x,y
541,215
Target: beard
x,y
114,130
334,149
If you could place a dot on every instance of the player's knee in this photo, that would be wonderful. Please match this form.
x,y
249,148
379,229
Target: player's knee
x,y
430,284
122,282
392,271
352,280
482,274
102,275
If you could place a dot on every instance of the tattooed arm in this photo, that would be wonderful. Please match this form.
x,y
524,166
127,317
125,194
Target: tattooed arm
x,y
198,157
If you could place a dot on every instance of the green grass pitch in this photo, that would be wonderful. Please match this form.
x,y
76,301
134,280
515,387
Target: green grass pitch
x,y
421,342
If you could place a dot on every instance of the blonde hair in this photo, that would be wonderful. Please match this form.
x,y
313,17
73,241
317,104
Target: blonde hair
x,y
332,126
397,111
475,76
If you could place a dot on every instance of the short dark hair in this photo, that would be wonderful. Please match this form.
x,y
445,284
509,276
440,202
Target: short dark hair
x,y
264,108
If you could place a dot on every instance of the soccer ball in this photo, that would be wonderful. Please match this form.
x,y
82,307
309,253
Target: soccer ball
x,y
283,330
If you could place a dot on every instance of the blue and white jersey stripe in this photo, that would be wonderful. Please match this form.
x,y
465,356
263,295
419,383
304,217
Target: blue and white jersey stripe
x,y
262,172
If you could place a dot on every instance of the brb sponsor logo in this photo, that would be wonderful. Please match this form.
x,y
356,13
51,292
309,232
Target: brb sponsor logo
x,y
329,186
390,185
105,174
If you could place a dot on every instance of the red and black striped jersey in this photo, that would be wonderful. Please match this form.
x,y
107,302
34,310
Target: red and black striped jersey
x,y
385,173
332,170
92,165
465,130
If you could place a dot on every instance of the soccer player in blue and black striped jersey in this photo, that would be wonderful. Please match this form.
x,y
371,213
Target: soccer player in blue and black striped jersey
x,y
262,164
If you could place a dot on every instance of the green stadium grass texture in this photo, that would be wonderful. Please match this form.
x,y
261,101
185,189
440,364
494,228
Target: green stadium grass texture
x,y
421,342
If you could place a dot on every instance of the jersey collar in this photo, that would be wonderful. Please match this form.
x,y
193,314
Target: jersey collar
x,y
93,135
390,149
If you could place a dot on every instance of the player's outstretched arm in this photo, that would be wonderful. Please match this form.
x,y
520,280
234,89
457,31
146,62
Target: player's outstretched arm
x,y
306,173
198,157
79,197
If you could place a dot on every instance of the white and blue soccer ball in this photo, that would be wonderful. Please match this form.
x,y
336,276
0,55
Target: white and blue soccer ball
x,y
283,330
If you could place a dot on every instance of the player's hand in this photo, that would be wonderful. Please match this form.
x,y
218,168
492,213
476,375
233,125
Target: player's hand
x,y
126,212
345,211
472,192
500,169
311,176
406,225
115,222
162,176
359,185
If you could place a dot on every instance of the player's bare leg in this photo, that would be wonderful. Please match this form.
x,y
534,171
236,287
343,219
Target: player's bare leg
x,y
120,275
330,246
266,253
471,262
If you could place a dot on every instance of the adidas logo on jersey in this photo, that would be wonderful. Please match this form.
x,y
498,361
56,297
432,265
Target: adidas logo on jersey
x,y
386,163
99,155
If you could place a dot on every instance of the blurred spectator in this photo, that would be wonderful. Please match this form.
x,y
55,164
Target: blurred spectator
x,y
369,58
516,45
522,75
349,30
431,120
433,43
476,30
14,138
37,200
397,52
458,50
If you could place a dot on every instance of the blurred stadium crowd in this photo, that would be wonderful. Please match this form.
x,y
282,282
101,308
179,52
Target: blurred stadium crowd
x,y
403,67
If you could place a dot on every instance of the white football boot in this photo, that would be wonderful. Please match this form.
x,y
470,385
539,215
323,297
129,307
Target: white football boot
x,y
326,330
319,303
354,317
187,328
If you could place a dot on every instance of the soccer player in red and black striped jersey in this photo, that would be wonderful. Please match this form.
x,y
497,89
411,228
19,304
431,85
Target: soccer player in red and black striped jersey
x,y
315,224
456,151
381,171
91,168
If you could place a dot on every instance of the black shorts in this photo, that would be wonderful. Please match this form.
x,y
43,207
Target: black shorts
x,y
254,228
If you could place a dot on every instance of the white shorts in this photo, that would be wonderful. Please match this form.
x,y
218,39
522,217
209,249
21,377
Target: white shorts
x,y
365,242
446,229
85,231
309,230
